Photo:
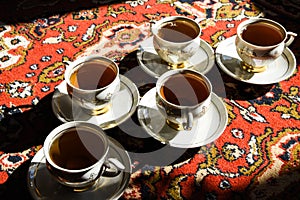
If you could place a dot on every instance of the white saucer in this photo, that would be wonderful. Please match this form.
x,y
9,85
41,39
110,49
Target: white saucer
x,y
206,129
152,64
229,61
43,186
123,106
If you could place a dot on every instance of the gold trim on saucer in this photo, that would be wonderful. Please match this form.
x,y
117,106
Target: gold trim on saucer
x,y
96,112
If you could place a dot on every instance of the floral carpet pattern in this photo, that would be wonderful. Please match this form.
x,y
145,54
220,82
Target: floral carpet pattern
x,y
257,156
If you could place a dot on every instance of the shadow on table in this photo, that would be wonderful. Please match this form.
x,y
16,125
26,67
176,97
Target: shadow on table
x,y
15,11
16,186
139,144
237,90
147,150
20,131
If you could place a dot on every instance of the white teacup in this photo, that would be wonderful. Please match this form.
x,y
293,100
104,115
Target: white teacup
x,y
92,81
261,41
77,154
176,39
182,96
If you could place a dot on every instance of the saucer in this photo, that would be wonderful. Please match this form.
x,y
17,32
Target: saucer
x,y
205,130
152,64
123,105
43,186
228,60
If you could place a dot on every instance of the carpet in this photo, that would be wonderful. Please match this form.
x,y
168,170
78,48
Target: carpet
x,y
257,156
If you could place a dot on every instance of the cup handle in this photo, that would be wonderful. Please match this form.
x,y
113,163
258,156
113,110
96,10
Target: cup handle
x,y
189,122
290,39
152,22
112,167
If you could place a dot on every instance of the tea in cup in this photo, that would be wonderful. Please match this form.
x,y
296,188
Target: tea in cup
x,y
176,39
77,155
183,96
92,81
260,42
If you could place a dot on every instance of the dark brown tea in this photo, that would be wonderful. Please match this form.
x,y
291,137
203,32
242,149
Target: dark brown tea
x,y
76,148
178,30
262,34
93,75
184,89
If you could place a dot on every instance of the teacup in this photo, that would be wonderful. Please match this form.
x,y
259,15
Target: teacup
x,y
261,41
77,155
183,96
92,81
176,39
